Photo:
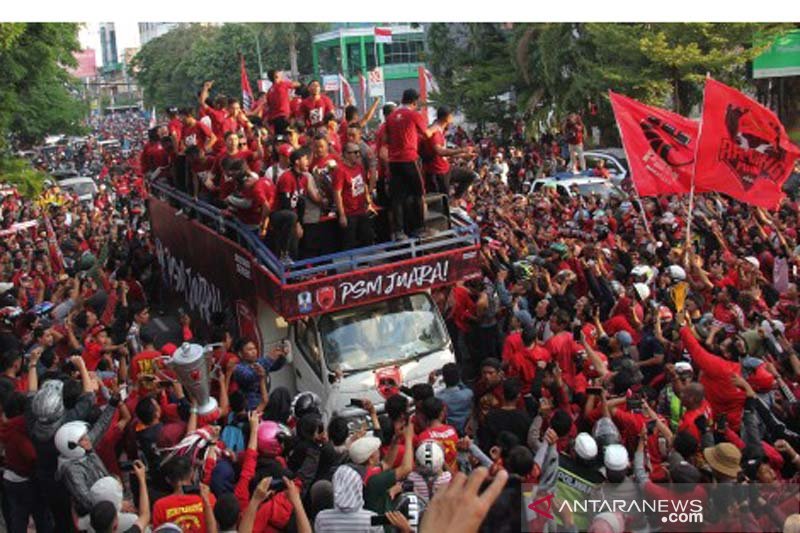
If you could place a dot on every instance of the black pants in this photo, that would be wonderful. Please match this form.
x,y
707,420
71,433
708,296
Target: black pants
x,y
359,232
280,124
281,237
20,502
406,189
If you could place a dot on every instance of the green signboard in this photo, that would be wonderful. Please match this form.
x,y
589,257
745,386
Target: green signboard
x,y
781,59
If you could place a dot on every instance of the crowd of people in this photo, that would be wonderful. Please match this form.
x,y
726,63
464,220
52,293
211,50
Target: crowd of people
x,y
607,347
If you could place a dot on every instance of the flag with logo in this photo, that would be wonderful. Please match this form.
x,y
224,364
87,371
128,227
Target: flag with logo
x,y
743,150
383,35
247,92
660,146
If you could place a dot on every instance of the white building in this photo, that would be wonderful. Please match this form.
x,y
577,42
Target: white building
x,y
150,30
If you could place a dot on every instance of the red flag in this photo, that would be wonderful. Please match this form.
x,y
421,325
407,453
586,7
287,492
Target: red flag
x,y
660,146
348,96
383,35
247,92
743,149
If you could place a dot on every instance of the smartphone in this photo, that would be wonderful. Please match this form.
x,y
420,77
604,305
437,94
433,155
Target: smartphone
x,y
651,426
277,485
126,466
379,520
355,402
594,391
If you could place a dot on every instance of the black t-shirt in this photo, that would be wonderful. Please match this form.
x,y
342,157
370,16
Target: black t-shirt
x,y
650,347
512,420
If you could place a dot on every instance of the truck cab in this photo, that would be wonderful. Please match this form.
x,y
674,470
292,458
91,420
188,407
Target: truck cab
x,y
355,324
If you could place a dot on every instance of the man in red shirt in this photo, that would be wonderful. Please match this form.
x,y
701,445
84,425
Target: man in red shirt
x,y
143,363
316,107
353,200
254,200
184,510
406,188
382,187
154,156
351,116
175,126
435,154
278,101
196,133
438,431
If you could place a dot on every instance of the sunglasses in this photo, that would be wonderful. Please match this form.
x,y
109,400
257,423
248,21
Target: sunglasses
x,y
352,151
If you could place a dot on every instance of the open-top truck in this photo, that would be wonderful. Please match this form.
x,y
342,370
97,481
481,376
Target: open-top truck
x,y
356,322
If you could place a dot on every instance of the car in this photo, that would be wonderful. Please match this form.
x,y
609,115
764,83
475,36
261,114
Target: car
x,y
615,159
109,145
582,185
83,187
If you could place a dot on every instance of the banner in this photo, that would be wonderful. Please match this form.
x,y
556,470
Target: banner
x,y
247,92
660,146
743,149
330,83
383,35
376,84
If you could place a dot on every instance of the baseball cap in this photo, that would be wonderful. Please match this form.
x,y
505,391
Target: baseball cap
x,y
616,457
585,446
683,367
361,450
5,287
753,261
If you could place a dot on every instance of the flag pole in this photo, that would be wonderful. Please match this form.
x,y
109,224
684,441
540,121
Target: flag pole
x,y
689,217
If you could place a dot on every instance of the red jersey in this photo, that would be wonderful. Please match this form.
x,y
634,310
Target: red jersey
x,y
437,164
352,184
296,108
315,109
196,135
184,510
563,349
278,99
260,194
175,127
143,363
383,170
153,156
464,308
445,435
404,127
289,189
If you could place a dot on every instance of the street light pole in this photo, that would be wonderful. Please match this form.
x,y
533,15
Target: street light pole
x,y
258,53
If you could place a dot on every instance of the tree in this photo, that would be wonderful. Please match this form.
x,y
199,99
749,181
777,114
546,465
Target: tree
x,y
171,68
37,95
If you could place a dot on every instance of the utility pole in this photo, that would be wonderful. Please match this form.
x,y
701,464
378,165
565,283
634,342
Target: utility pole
x,y
258,54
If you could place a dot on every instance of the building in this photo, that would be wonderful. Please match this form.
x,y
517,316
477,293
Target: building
x,y
150,30
108,44
351,49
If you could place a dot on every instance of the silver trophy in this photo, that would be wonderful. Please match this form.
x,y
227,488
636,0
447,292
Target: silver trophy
x,y
190,365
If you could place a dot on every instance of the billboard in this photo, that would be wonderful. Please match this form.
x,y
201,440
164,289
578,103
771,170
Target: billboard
x,y
782,59
87,64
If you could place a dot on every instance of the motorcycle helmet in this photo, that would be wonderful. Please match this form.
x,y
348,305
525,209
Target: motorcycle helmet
x,y
306,403
48,402
68,437
430,457
412,507
270,437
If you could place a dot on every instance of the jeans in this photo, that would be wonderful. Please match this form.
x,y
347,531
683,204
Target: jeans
x,y
20,502
576,156
281,236
358,232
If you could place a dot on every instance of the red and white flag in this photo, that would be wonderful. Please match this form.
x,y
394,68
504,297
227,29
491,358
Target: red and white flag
x,y
660,146
743,149
348,96
153,118
247,92
383,35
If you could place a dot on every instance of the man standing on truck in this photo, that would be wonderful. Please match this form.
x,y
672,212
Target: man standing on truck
x,y
278,101
353,200
402,133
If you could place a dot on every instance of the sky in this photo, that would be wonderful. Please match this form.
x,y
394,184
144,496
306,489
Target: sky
x,y
127,37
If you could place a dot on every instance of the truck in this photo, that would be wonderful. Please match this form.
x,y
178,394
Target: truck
x,y
356,324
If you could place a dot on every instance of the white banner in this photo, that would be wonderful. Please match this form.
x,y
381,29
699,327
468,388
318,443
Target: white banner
x,y
375,83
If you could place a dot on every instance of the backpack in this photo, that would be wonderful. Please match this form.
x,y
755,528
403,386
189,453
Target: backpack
x,y
233,436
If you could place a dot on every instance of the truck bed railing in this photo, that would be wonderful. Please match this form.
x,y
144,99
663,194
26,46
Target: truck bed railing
x,y
463,233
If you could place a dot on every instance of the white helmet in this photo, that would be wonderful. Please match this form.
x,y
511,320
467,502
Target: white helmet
x,y
430,456
642,290
643,271
677,273
585,446
67,438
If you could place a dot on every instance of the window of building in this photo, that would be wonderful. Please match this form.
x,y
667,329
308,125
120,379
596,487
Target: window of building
x,y
402,51
329,60
353,58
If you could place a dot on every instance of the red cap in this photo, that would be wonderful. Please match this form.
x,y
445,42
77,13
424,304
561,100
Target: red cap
x,y
285,150
168,349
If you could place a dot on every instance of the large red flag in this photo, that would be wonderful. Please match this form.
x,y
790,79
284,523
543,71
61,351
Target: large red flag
x,y
247,92
660,146
743,149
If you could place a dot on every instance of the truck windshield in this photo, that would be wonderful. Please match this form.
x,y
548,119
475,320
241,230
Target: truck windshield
x,y
385,332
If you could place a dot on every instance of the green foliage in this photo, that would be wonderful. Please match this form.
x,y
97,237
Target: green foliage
x,y
19,172
564,67
170,69
37,95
